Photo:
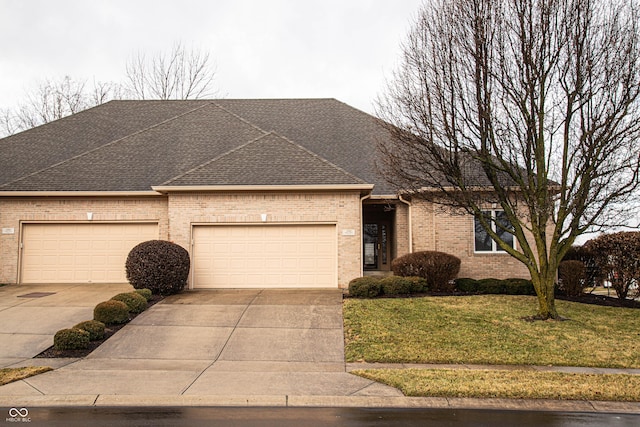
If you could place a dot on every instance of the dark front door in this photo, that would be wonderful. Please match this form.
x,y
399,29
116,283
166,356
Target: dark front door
x,y
377,249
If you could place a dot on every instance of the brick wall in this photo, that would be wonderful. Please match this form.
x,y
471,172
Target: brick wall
x,y
435,228
14,211
340,208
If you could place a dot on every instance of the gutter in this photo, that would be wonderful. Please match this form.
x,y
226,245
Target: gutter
x,y
409,224
362,199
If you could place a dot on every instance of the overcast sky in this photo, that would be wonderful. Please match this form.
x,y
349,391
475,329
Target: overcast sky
x,y
262,48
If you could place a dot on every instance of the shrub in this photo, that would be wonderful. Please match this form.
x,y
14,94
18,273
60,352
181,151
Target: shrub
x,y
71,339
466,284
491,286
111,312
438,268
418,284
395,285
517,286
618,258
158,265
583,253
365,287
146,293
572,277
95,329
135,302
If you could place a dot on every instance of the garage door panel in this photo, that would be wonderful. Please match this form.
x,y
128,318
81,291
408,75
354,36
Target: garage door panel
x,y
80,253
264,256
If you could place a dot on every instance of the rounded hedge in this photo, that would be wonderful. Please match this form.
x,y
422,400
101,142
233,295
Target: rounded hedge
x,y
95,329
145,293
158,265
438,268
365,287
395,285
111,312
136,302
71,339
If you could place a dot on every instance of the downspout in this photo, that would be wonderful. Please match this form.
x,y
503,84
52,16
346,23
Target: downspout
x,y
362,199
408,221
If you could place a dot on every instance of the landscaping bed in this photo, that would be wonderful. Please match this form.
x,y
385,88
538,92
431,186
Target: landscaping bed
x,y
51,352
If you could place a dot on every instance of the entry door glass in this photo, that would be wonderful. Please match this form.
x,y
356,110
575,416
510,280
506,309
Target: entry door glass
x,y
376,246
370,239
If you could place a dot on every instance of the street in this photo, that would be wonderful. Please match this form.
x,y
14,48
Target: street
x,y
290,417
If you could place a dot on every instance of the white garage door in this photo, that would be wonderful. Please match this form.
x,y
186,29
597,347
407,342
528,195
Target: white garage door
x,y
80,253
278,256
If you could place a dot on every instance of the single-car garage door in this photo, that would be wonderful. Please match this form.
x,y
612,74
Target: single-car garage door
x,y
80,253
262,256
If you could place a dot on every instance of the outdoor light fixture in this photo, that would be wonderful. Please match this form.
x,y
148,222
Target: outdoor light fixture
x,y
263,217
90,216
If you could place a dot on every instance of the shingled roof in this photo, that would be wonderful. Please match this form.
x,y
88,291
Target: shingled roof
x,y
137,145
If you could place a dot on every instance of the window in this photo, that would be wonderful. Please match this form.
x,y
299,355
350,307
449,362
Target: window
x,y
483,242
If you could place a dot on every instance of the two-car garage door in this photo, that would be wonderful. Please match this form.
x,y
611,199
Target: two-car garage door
x,y
261,256
80,252
223,256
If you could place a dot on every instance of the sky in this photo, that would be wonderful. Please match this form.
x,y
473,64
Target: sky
x,y
340,49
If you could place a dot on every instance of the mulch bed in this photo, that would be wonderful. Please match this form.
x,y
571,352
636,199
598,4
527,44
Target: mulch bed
x,y
108,332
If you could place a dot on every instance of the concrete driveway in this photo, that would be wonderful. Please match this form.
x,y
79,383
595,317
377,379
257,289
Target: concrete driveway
x,y
30,315
231,344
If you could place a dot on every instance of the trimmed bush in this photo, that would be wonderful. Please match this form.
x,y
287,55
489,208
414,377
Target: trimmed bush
x,y
71,339
145,293
466,284
95,329
618,258
572,277
135,302
111,312
365,287
517,286
418,284
491,286
158,265
438,268
395,285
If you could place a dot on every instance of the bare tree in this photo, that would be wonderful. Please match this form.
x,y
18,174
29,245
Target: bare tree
x,y
53,100
529,104
180,74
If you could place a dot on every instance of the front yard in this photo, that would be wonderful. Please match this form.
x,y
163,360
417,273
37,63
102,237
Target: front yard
x,y
490,329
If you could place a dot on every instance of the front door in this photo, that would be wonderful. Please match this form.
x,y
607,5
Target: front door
x,y
377,248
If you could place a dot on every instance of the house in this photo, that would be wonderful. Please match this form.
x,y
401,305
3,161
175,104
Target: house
x,y
279,192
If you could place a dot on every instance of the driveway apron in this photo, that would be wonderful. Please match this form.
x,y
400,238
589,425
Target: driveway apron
x,y
221,343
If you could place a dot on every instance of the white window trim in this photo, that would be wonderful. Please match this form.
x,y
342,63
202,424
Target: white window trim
x,y
494,246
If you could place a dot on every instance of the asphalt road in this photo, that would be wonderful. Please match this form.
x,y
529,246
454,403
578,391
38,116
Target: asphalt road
x,y
290,417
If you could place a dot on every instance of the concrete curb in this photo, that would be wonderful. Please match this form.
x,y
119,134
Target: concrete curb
x,y
322,401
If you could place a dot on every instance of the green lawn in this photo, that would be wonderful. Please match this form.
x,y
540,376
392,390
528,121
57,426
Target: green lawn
x,y
489,329
508,384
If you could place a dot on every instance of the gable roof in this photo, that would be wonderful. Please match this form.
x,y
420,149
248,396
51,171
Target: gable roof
x,y
136,145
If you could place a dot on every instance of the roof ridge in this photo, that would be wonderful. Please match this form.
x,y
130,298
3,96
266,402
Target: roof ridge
x,y
319,157
108,144
218,157
242,119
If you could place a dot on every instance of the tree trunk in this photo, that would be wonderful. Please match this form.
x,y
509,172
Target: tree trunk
x,y
544,287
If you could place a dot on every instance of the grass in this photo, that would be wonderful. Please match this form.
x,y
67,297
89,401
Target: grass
x,y
8,375
508,384
489,329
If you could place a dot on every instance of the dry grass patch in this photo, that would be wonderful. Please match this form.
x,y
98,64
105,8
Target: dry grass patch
x,y
489,329
8,375
508,384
